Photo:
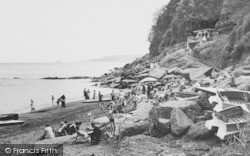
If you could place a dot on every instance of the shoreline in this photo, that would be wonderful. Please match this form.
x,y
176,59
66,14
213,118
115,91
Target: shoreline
x,y
33,127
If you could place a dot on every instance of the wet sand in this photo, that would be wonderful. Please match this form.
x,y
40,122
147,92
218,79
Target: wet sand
x,y
33,127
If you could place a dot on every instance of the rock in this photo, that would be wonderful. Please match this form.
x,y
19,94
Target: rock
x,y
136,122
101,120
243,84
142,145
133,129
191,148
114,85
142,111
163,111
192,110
159,126
203,102
179,122
157,73
198,131
163,125
175,70
207,116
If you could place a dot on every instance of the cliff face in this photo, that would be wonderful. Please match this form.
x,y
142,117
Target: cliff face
x,y
231,19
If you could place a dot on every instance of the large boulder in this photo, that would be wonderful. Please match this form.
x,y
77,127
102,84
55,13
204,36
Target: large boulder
x,y
189,107
159,124
131,129
199,131
163,111
192,110
179,122
136,122
142,145
157,73
142,111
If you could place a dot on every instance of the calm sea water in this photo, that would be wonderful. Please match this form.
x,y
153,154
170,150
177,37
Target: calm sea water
x,y
15,94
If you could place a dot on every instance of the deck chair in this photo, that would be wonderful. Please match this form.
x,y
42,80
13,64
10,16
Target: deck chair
x,y
83,135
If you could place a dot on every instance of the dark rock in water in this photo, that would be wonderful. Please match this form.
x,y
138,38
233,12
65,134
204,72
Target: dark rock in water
x,y
63,78
179,122
198,131
54,78
79,77
16,78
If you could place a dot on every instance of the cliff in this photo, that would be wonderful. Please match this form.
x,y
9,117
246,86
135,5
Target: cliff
x,y
177,20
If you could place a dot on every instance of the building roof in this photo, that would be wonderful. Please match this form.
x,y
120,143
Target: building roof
x,y
196,31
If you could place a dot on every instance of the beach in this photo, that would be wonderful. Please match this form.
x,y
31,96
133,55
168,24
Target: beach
x,y
33,127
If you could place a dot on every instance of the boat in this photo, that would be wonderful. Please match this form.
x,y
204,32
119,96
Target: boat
x,y
11,122
95,101
4,117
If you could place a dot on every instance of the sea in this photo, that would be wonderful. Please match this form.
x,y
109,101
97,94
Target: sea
x,y
21,82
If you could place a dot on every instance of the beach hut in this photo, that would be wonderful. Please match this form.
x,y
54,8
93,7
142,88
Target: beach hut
x,y
149,79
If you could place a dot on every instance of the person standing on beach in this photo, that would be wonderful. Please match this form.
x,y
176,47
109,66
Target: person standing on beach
x,y
94,94
63,100
52,98
58,101
32,105
100,99
85,93
88,94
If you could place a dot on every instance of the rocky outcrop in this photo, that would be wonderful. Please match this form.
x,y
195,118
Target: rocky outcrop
x,y
179,18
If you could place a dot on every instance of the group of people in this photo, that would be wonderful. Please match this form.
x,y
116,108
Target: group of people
x,y
61,100
86,94
93,135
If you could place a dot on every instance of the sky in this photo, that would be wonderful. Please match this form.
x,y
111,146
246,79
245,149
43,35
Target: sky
x,y
74,30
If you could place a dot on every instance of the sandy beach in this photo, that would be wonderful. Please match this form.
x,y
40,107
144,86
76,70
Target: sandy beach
x,y
33,127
